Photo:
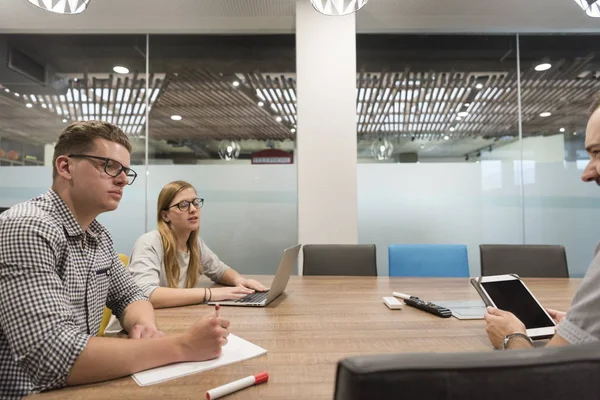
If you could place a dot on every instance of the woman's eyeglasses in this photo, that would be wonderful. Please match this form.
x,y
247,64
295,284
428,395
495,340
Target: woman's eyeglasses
x,y
185,204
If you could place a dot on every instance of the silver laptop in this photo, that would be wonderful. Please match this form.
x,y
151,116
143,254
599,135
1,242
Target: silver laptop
x,y
282,276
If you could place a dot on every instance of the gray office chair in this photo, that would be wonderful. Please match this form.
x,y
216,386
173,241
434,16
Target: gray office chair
x,y
340,259
529,261
551,373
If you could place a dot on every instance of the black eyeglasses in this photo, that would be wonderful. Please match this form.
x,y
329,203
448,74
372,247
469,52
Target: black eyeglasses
x,y
111,167
185,204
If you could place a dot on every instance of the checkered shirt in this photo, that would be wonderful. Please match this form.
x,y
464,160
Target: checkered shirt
x,y
54,282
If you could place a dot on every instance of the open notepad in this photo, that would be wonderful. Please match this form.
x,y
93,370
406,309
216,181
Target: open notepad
x,y
236,349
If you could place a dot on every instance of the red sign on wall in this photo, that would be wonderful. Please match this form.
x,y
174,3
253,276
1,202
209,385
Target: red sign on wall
x,y
272,156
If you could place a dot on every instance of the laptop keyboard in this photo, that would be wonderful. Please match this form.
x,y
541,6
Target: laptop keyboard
x,y
256,297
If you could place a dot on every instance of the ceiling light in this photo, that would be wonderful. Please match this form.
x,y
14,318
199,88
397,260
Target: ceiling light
x,y
17,94
452,129
543,66
446,137
467,105
458,118
75,79
293,130
28,105
44,105
574,133
462,114
562,129
236,83
119,69
176,117
62,7
64,120
545,114
338,7
422,146
591,7
479,86
278,119
260,104
7,90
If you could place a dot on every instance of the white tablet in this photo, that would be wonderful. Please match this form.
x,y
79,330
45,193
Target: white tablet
x,y
509,293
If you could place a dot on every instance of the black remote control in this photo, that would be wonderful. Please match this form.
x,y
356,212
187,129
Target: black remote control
x,y
429,307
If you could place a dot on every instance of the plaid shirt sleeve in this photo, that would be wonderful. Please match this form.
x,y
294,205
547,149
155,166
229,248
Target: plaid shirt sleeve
x,y
36,316
123,290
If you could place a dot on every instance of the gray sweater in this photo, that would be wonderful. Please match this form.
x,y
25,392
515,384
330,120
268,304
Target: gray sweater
x,y
147,266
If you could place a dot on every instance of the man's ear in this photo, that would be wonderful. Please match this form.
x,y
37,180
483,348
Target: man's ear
x,y
63,168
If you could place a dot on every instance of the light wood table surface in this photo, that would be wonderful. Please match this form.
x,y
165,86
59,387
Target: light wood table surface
x,y
314,324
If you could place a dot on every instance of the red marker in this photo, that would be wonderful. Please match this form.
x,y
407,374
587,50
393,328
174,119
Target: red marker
x,y
240,384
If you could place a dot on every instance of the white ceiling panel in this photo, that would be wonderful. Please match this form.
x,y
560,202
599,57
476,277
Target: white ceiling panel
x,y
278,16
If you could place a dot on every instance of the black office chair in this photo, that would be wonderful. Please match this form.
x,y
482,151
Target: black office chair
x,y
528,261
551,373
340,259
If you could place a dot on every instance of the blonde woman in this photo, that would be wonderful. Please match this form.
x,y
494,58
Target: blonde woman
x,y
166,263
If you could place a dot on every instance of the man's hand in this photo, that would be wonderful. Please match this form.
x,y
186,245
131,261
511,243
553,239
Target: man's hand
x,y
140,331
499,323
557,315
204,340
252,284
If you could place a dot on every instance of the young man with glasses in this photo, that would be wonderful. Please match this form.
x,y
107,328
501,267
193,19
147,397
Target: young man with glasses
x,y
58,269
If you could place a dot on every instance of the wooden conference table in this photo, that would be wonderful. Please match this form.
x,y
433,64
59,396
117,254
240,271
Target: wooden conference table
x,y
314,324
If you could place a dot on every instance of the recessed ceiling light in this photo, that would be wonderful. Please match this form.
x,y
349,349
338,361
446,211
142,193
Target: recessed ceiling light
x,y
236,83
278,119
574,133
293,130
176,117
64,120
458,118
562,129
446,137
545,114
44,105
119,69
28,105
467,105
462,114
452,129
543,66
479,86
260,104
75,79
17,94
7,90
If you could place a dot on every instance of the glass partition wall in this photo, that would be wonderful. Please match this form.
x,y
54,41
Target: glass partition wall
x,y
444,156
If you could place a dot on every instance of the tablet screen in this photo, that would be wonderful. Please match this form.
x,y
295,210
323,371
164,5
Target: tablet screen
x,y
513,296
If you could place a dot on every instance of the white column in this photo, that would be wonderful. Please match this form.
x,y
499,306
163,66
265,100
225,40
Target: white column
x,y
326,138
48,154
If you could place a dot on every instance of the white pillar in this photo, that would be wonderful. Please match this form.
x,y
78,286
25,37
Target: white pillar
x,y
48,154
326,138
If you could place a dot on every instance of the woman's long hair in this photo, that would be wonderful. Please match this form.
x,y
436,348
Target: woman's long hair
x,y
169,241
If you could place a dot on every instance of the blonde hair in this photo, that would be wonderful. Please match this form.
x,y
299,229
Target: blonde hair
x,y
169,242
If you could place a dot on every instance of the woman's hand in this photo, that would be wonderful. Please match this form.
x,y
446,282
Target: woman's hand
x,y
252,284
229,293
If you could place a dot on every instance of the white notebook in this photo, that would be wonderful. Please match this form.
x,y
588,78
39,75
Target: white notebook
x,y
236,349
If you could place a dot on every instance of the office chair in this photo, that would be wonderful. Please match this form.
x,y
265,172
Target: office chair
x,y
550,373
340,259
428,260
528,261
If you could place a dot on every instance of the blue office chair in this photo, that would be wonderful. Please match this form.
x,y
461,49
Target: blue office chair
x,y
439,260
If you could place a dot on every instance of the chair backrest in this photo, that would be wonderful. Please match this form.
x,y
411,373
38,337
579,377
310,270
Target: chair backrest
x,y
107,313
552,373
340,259
528,261
439,260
